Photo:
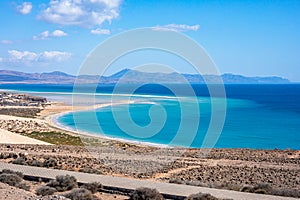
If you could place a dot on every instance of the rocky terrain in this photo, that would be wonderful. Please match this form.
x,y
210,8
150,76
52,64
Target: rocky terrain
x,y
23,125
20,112
264,171
21,105
14,99
38,190
14,185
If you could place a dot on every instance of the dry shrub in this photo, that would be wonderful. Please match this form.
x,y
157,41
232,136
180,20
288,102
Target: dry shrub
x,y
8,171
201,196
10,179
50,162
23,186
146,194
45,190
19,161
81,194
63,183
13,179
35,163
93,187
89,170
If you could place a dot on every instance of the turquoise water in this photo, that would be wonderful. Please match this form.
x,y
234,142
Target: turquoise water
x,y
257,116
247,125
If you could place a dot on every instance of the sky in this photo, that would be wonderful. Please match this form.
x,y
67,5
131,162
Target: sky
x,y
252,38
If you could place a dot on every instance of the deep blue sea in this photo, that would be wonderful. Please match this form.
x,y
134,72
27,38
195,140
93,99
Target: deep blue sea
x,y
257,116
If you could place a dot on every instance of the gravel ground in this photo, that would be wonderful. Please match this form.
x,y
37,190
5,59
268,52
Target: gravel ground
x,y
23,125
8,192
21,112
221,168
11,193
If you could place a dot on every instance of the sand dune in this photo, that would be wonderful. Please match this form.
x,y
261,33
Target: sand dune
x,y
7,137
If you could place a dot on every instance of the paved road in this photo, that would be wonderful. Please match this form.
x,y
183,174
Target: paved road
x,y
131,184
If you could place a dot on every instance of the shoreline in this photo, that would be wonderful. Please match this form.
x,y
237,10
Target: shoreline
x,y
49,117
52,121
51,113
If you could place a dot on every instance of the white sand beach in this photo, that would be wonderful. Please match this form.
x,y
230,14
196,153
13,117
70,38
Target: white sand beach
x,y
10,126
7,137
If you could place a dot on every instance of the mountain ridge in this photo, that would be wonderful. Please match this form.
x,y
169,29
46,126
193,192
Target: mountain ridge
x,y
132,76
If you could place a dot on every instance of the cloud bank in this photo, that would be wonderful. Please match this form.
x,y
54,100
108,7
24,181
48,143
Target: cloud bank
x,y
28,58
83,13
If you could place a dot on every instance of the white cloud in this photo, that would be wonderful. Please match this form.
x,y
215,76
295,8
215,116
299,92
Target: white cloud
x,y
22,55
177,27
46,35
27,58
42,36
25,8
108,3
85,13
59,33
57,56
100,31
6,42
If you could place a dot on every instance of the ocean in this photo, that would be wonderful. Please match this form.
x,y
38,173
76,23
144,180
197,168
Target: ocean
x,y
258,116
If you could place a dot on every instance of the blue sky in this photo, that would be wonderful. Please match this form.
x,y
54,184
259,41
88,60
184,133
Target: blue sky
x,y
254,38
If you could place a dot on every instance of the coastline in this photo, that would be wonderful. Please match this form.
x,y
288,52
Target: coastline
x,y
51,113
232,168
51,117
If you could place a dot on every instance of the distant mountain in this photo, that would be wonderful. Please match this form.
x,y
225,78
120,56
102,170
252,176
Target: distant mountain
x,y
7,76
131,76
122,73
232,78
14,76
57,73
